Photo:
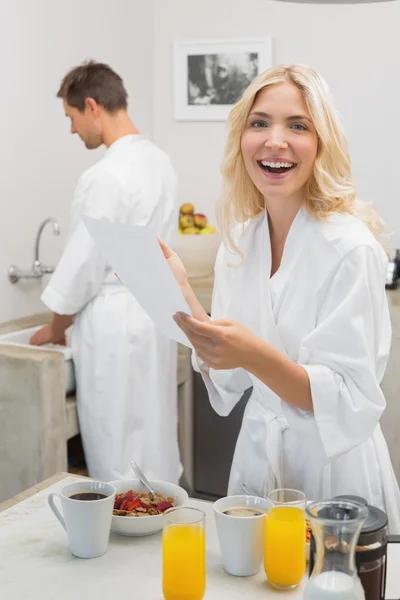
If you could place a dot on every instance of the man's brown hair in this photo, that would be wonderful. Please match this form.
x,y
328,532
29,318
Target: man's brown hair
x,y
94,80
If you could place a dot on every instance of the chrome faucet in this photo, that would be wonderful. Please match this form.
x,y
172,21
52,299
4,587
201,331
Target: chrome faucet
x,y
37,269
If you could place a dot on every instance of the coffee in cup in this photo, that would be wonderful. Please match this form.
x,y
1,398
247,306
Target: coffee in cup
x,y
87,508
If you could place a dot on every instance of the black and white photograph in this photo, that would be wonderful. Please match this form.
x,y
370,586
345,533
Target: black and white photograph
x,y
210,76
220,78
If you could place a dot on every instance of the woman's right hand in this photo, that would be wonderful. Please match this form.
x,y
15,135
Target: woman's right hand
x,y
175,264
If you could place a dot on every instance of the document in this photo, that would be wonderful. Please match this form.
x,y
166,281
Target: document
x,y
136,257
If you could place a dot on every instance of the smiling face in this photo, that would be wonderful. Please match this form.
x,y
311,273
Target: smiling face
x,y
279,143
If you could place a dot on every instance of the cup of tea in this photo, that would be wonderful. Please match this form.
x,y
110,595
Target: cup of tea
x,y
240,522
87,508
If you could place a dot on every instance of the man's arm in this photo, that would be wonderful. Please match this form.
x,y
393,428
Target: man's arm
x,y
53,332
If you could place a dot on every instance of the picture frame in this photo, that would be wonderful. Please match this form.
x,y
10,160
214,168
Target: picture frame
x,y
211,75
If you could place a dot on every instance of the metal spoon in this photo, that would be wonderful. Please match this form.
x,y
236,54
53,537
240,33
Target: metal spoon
x,y
248,490
142,478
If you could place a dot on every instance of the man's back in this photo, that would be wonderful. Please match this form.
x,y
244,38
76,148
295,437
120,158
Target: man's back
x,y
125,369
133,183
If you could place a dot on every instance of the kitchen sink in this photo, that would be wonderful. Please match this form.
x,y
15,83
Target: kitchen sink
x,y
22,337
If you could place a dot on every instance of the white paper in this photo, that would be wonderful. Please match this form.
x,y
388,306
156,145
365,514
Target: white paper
x,y
135,255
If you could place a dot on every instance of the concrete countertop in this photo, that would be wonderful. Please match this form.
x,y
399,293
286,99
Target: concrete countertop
x,y
25,322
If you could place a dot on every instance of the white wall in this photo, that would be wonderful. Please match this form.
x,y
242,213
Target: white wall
x,y
40,162
355,47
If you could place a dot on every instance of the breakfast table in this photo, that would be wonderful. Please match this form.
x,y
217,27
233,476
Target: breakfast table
x,y
36,563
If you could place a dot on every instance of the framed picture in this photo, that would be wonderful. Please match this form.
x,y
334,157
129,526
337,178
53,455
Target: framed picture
x,y
210,76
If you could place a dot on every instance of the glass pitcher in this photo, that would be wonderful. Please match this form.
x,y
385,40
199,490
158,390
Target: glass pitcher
x,y
336,527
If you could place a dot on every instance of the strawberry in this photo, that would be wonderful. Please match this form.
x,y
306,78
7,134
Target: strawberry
x,y
132,505
118,501
162,506
129,495
127,498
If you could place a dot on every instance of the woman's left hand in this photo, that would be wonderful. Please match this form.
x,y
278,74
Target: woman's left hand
x,y
221,344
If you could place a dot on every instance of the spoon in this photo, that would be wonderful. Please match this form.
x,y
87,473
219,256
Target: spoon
x,y
142,478
248,490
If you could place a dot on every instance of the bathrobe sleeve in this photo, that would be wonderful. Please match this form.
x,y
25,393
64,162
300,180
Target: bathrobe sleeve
x,y
225,387
80,272
346,354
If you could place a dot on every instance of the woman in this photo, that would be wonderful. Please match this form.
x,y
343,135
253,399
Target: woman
x,y
299,307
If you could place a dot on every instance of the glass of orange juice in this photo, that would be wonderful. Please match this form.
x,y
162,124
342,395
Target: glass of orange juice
x,y
285,538
184,554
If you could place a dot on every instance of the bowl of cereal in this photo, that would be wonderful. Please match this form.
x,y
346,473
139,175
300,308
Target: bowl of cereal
x,y
136,513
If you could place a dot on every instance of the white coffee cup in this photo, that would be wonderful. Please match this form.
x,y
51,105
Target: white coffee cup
x,y
87,522
241,539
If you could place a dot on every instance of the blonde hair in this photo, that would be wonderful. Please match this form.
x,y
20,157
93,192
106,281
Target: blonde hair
x,y
330,187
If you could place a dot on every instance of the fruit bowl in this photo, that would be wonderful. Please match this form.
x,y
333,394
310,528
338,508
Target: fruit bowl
x,y
198,253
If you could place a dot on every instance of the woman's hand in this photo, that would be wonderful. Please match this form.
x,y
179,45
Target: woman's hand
x,y
224,344
175,264
221,344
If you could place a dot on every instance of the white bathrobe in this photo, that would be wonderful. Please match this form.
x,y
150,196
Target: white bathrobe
x,y
125,369
325,309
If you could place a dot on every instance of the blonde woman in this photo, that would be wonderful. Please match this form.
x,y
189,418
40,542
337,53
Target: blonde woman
x,y
299,308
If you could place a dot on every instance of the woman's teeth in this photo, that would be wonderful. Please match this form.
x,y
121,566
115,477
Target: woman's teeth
x,y
275,167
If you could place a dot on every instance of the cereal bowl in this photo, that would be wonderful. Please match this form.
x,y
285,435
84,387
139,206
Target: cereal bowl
x,y
148,524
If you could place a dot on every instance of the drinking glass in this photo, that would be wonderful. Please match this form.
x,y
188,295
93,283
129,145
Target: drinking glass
x,y
184,554
285,538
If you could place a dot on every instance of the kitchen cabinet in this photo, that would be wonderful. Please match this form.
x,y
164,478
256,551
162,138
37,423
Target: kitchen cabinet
x,y
214,442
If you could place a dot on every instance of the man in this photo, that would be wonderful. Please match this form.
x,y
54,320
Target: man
x,y
125,369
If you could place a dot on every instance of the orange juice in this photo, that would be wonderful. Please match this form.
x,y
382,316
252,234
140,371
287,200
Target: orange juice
x,y
184,562
285,546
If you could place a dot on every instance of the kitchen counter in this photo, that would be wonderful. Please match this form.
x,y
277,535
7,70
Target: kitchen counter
x,y
37,563
25,322
33,420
